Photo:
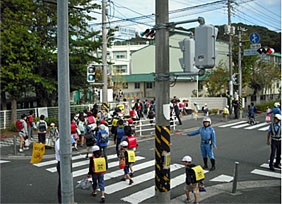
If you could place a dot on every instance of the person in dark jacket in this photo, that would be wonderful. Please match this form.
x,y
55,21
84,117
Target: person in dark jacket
x,y
190,184
97,176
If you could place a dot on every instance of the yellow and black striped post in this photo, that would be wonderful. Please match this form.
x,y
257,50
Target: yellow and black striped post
x,y
162,157
106,106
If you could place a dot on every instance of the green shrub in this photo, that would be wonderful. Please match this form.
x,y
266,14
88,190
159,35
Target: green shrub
x,y
213,111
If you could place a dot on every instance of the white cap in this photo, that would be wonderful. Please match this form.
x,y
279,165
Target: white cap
x,y
206,104
278,116
52,124
124,144
95,148
102,127
276,104
195,103
227,106
187,159
207,119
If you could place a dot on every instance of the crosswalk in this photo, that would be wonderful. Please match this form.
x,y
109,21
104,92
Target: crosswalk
x,y
144,174
263,126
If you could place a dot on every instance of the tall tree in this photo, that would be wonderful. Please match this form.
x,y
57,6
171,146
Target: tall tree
x,y
29,45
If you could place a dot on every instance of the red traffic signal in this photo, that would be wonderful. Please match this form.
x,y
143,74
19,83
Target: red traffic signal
x,y
263,50
148,33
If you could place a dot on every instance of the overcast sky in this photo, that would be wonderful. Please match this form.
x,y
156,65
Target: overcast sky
x,y
139,15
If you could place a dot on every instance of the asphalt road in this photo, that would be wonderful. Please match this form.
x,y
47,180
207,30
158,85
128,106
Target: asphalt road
x,y
22,182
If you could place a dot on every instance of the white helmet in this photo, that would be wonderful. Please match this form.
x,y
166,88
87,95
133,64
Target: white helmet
x,y
207,119
276,104
187,159
124,143
95,148
278,116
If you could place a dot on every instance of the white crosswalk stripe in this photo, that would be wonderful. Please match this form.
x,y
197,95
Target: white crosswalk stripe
x,y
267,172
244,125
144,172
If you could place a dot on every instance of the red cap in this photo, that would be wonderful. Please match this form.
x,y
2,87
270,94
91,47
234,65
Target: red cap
x,y
103,122
130,120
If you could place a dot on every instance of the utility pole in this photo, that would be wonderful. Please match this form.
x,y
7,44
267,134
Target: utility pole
x,y
162,128
104,55
240,70
64,103
230,57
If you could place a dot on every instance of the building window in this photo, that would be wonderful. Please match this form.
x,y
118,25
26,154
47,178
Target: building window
x,y
121,69
118,55
149,85
137,85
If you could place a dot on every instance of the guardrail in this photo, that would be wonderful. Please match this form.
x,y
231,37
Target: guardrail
x,y
144,127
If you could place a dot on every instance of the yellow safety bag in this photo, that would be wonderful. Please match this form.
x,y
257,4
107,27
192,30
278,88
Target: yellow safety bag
x,y
99,165
131,156
38,152
199,172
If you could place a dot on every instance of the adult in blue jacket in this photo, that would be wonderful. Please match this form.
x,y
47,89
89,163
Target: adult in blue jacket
x,y
276,109
208,142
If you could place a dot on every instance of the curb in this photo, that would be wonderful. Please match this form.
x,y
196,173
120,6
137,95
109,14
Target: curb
x,y
227,188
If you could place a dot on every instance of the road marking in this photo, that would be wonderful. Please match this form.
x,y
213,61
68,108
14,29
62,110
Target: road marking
x,y
137,180
264,128
239,126
231,124
150,192
223,178
120,172
265,165
3,161
266,173
86,162
256,126
55,161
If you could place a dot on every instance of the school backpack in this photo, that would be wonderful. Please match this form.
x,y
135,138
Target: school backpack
x,y
99,165
132,142
73,127
120,132
104,136
19,125
196,173
41,126
91,119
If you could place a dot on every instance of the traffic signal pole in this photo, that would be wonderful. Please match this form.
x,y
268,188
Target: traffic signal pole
x,y
162,128
64,103
104,55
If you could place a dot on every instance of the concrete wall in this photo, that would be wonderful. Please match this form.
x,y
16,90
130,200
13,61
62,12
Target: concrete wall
x,y
212,102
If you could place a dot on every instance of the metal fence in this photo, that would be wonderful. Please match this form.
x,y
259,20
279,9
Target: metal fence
x,y
49,112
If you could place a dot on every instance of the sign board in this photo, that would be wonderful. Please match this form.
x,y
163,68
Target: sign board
x,y
255,46
127,31
249,52
254,38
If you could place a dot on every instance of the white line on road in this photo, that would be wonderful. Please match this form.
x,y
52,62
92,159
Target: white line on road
x,y
256,126
231,124
266,173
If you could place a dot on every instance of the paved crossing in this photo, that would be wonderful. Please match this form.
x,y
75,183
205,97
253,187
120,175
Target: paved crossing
x,y
144,171
261,126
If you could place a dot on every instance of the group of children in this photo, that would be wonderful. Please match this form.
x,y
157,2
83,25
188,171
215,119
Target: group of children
x,y
126,146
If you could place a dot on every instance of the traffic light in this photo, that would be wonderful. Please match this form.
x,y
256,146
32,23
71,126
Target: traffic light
x,y
235,79
263,50
91,74
148,33
187,62
205,36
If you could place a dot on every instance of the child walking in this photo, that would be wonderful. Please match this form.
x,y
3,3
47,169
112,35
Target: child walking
x,y
191,185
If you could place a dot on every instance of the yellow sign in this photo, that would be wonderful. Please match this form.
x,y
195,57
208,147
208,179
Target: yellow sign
x,y
131,156
99,165
38,152
199,172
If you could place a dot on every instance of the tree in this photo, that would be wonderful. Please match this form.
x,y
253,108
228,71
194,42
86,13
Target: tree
x,y
29,44
217,81
264,74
